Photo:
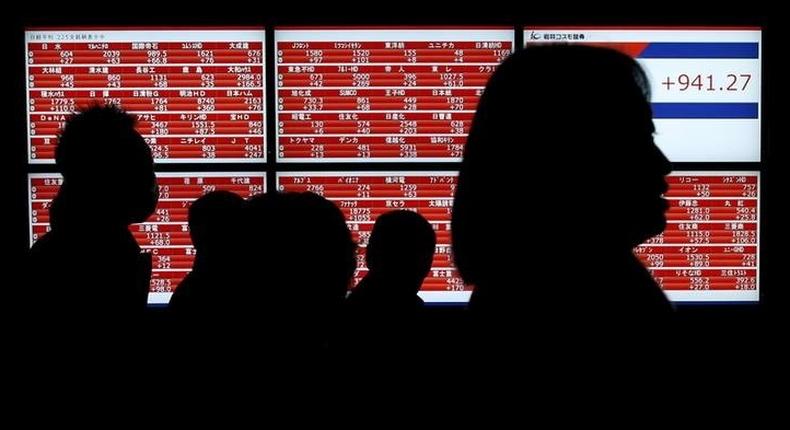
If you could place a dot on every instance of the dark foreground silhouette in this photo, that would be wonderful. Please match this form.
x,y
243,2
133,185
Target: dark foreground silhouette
x,y
560,180
88,269
384,310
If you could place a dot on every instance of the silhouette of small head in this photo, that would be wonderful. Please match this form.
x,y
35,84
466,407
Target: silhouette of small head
x,y
214,219
105,160
401,244
560,150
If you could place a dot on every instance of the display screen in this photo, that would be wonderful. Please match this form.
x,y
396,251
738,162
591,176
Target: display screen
x,y
197,95
346,100
708,252
381,94
705,85
165,234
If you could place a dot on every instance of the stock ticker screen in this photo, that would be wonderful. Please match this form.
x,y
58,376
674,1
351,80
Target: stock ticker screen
x,y
198,95
356,97
165,233
705,85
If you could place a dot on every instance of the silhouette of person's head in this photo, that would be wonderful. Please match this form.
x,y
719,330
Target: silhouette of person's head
x,y
566,131
204,300
105,164
96,275
401,248
214,221
384,313
303,258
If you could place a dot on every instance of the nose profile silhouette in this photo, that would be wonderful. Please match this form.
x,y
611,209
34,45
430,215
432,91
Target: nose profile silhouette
x,y
561,164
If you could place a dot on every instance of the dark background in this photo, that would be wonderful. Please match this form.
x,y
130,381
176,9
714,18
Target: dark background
x,y
742,321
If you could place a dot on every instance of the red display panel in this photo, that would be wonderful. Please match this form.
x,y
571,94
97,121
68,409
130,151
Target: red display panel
x,y
166,234
363,196
378,95
708,253
710,249
198,95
